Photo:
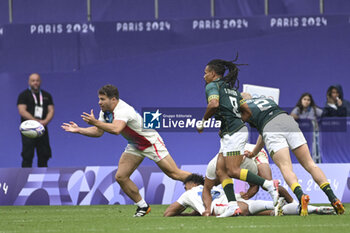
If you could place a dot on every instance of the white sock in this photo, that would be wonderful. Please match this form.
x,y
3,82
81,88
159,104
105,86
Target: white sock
x,y
291,209
295,202
267,184
141,203
311,209
258,206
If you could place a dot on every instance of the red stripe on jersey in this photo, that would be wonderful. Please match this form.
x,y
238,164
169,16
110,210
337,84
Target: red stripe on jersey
x,y
257,159
221,204
265,154
161,142
154,145
139,141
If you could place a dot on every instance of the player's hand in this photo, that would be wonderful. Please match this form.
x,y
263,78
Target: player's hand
x,y
248,154
200,129
244,195
200,126
70,127
206,213
89,118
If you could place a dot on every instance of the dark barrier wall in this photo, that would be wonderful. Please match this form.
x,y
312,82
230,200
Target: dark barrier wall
x,y
161,64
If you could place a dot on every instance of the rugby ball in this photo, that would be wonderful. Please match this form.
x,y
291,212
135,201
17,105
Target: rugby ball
x,y
31,129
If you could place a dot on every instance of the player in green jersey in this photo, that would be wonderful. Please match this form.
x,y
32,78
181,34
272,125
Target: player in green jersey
x,y
280,132
227,105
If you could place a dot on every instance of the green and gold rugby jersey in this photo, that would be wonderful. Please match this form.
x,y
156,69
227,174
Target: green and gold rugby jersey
x,y
263,110
229,102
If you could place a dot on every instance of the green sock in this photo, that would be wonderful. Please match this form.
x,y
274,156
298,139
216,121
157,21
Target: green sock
x,y
328,191
252,178
298,192
227,184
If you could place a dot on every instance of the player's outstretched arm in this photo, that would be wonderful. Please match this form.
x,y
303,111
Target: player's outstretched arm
x,y
116,127
258,147
253,189
72,127
174,209
212,107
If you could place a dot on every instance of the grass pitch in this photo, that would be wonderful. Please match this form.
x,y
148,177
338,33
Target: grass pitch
x,y
118,218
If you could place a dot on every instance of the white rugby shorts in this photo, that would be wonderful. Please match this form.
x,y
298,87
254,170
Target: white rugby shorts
x,y
156,152
282,132
234,144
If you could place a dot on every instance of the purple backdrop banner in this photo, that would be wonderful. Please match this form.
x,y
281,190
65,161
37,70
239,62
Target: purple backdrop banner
x,y
161,64
96,185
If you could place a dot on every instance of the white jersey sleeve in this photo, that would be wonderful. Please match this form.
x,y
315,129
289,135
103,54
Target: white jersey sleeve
x,y
124,114
133,131
101,117
193,198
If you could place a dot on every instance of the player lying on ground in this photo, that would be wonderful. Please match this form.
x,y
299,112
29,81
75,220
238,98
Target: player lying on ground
x,y
192,198
117,117
280,132
257,165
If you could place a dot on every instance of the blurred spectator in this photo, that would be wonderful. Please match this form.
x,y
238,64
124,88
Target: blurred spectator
x,y
306,108
346,103
334,106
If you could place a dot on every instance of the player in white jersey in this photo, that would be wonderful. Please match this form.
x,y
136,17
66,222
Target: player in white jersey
x,y
192,198
259,165
117,117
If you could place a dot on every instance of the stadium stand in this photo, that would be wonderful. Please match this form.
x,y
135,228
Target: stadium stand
x,y
184,9
336,6
293,7
109,10
49,11
234,8
4,12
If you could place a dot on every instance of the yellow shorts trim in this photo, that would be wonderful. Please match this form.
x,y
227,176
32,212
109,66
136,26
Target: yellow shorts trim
x,y
233,153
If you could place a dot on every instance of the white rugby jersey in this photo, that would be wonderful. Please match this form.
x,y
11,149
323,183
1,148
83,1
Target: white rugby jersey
x,y
193,198
133,132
